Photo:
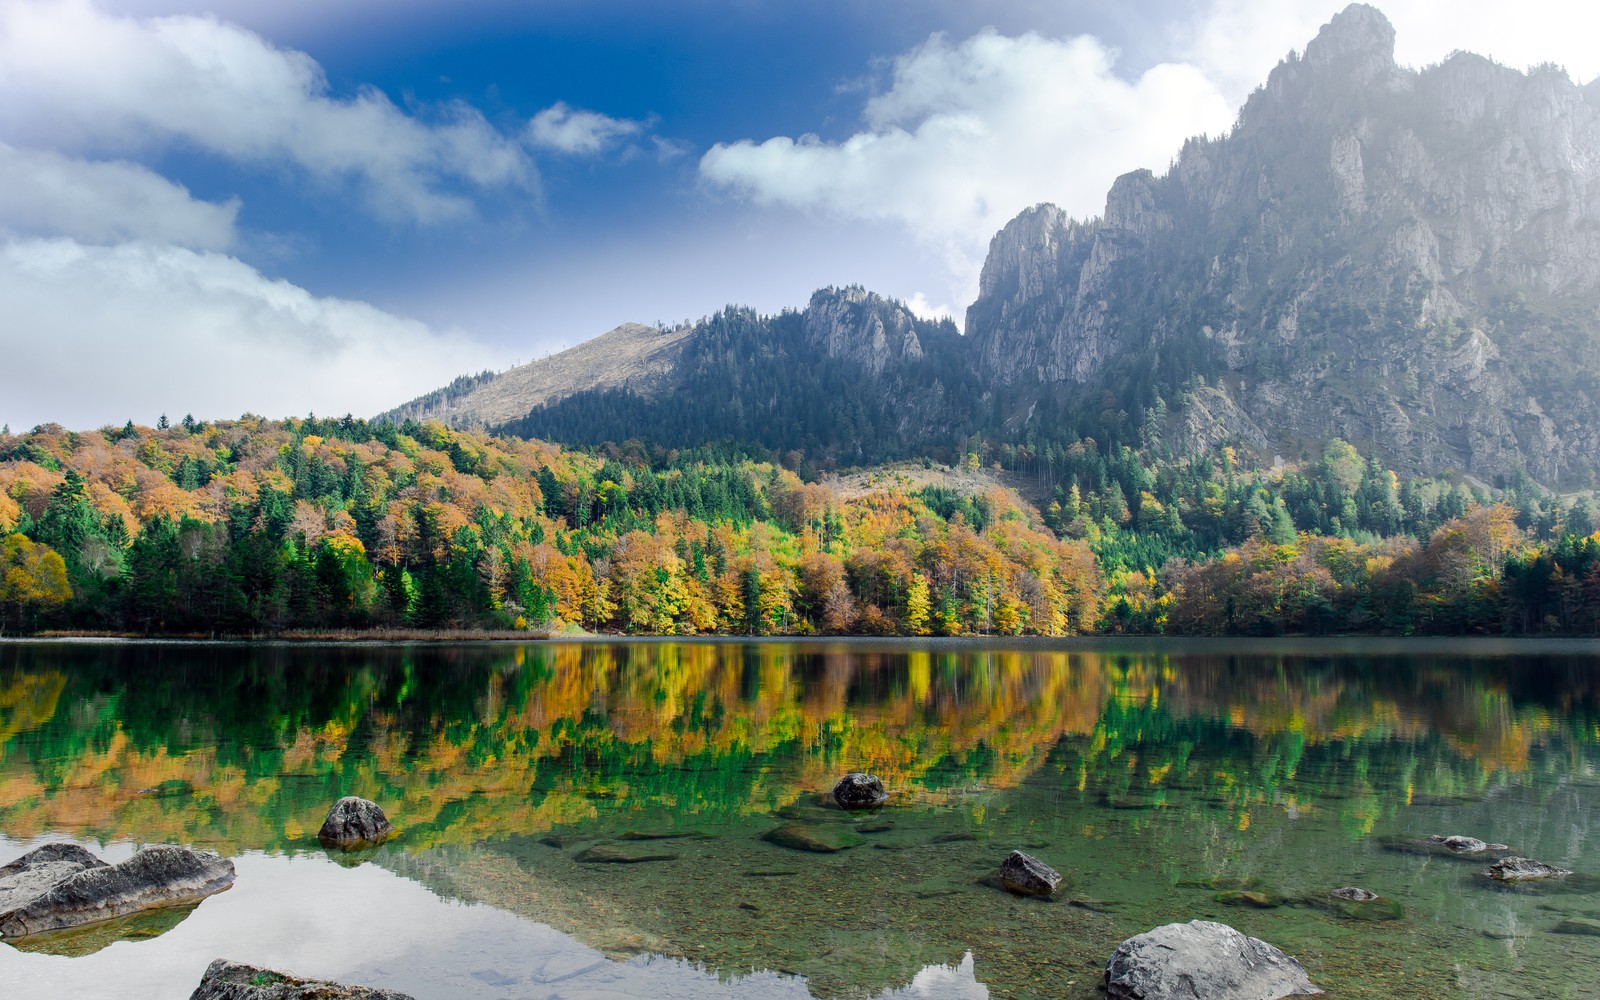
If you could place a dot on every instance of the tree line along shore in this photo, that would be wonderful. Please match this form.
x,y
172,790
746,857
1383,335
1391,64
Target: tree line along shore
x,y
347,528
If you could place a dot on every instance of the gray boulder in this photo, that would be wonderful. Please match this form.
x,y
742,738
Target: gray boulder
x,y
355,822
226,980
1523,870
1027,875
60,851
1202,960
55,887
857,790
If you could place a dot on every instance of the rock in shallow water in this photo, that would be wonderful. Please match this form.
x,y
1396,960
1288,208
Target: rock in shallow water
x,y
1202,960
1523,870
87,939
819,839
355,822
1027,875
1354,894
1583,926
226,980
859,791
52,852
1250,897
604,854
1439,847
1465,845
53,887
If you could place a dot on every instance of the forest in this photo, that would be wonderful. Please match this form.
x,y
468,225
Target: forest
x,y
256,527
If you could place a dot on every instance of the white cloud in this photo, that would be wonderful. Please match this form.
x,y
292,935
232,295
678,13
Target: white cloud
x,y
923,309
970,134
73,77
108,333
46,193
576,131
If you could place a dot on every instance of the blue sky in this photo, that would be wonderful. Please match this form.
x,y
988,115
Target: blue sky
x,y
294,206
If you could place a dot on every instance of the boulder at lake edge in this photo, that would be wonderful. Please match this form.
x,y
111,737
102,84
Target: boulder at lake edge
x,y
857,790
225,980
52,887
1202,960
60,851
355,822
1027,875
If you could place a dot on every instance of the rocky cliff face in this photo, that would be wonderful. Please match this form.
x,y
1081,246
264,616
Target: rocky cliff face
x,y
1408,259
856,325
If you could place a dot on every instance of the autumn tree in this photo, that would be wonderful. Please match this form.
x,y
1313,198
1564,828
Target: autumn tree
x,y
33,581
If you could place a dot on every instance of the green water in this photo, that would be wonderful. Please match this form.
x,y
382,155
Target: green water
x,y
1164,780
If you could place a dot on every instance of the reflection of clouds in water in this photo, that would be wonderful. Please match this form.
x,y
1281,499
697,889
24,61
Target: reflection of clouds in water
x,y
944,982
308,916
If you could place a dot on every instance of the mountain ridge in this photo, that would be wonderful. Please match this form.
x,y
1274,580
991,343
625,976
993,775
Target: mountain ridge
x,y
1407,259
1397,257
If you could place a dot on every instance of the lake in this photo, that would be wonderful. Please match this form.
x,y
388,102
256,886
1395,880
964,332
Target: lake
x,y
590,819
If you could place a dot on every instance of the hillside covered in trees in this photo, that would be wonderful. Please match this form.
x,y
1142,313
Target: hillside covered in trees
x,y
254,526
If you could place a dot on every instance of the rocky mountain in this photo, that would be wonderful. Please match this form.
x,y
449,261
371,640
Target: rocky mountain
x,y
633,356
1409,259
1405,258
853,376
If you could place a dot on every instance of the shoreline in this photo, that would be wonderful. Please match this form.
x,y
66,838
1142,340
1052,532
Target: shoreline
x,y
1353,644
298,636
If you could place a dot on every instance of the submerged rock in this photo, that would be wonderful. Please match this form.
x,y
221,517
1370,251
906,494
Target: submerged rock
x,y
603,854
1523,870
1578,925
1026,875
355,822
1202,960
819,839
1466,849
1352,903
1465,845
857,790
1250,897
226,980
48,889
86,939
1354,895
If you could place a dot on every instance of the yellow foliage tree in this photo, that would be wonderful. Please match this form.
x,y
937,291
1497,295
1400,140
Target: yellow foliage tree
x,y
33,577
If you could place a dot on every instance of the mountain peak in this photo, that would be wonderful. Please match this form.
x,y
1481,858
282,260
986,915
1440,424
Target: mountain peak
x,y
1359,32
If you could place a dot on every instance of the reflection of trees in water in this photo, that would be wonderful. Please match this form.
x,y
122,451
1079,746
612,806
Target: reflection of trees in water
x,y
244,746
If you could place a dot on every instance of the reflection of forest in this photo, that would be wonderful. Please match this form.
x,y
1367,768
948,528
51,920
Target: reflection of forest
x,y
244,746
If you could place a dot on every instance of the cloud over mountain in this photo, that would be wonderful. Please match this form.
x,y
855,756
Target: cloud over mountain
x,y
189,331
970,133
